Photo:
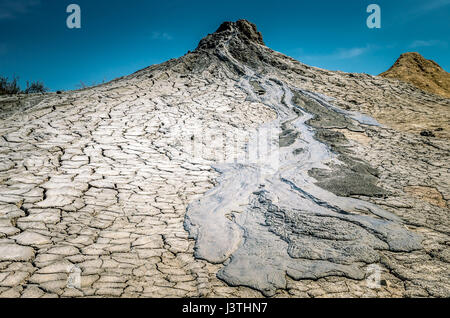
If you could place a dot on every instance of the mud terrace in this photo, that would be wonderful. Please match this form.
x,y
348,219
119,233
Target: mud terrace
x,y
96,184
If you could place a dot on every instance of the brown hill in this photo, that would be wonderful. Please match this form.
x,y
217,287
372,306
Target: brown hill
x,y
425,74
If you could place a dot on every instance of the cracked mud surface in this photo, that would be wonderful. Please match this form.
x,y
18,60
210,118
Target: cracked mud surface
x,y
100,179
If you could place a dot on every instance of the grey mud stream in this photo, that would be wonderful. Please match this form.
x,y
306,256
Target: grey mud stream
x,y
268,219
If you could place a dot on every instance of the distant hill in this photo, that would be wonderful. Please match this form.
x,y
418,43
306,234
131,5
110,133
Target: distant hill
x,y
425,74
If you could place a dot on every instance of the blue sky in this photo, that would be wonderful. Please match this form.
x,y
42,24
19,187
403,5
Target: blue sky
x,y
118,37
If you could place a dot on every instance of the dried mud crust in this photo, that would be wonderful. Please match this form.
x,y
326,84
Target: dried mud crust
x,y
99,178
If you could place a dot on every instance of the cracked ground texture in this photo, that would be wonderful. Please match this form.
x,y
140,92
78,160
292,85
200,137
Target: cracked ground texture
x,y
100,179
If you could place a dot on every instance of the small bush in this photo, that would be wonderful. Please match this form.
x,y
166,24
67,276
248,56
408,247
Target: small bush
x,y
9,87
35,87
83,85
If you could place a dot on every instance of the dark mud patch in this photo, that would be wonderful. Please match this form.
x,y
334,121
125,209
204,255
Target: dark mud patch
x,y
354,176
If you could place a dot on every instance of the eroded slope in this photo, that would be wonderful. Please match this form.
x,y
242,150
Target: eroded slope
x,y
98,181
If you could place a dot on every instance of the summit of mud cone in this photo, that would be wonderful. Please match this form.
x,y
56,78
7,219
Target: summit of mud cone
x,y
245,27
241,28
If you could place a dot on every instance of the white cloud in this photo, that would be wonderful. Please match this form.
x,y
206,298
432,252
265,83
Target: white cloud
x,y
425,8
10,9
428,43
161,36
433,5
342,53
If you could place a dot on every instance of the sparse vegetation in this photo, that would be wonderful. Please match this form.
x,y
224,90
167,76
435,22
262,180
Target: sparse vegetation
x,y
35,87
10,87
83,85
